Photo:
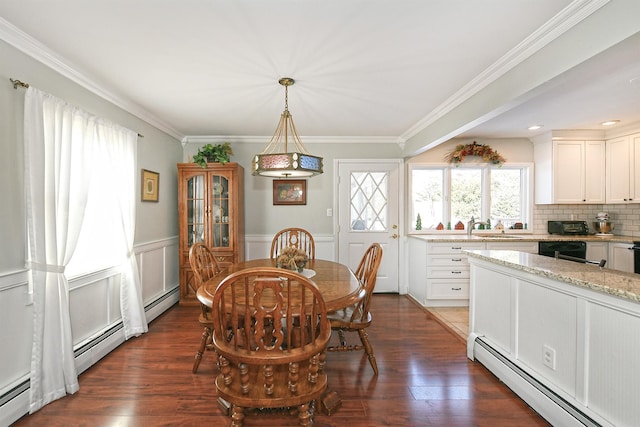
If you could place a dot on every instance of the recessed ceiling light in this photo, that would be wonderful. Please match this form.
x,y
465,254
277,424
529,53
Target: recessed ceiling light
x,y
534,127
610,122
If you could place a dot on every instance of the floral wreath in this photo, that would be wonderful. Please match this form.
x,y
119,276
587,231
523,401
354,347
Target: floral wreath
x,y
475,149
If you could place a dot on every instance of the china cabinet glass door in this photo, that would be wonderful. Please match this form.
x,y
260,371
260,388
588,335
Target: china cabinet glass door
x,y
196,209
220,211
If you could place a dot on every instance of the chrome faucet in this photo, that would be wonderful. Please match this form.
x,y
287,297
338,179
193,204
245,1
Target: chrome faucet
x,y
471,225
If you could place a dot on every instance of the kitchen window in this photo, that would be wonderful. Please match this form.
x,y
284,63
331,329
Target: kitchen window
x,y
448,194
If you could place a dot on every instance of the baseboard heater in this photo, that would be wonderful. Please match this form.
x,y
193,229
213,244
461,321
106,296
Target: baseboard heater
x,y
23,387
119,326
16,391
558,400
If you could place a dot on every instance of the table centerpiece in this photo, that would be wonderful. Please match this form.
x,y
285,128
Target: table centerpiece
x,y
292,258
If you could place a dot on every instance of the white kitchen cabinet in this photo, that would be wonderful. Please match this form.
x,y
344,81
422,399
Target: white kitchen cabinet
x,y
620,257
569,171
443,280
622,161
448,272
597,251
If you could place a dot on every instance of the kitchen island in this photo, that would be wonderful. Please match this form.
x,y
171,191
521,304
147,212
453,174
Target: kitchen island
x,y
563,335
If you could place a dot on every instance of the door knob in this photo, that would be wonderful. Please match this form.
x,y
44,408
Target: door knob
x,y
394,235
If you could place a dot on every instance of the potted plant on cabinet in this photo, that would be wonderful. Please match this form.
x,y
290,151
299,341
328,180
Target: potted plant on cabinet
x,y
220,153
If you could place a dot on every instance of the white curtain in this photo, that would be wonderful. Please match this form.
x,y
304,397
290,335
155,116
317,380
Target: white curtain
x,y
119,156
62,145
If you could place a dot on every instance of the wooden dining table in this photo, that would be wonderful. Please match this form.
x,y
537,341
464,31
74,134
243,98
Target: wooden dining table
x,y
338,285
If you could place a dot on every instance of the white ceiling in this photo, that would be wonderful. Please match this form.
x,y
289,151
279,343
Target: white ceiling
x,y
363,68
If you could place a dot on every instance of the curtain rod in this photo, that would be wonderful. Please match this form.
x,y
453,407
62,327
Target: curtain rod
x,y
17,83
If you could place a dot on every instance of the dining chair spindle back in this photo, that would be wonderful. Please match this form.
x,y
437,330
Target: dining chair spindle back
x,y
296,237
270,332
357,317
204,267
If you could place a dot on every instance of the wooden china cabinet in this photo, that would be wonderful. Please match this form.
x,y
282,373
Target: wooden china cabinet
x,y
210,210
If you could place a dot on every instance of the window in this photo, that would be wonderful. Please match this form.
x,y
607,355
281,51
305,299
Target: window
x,y
445,195
369,201
101,240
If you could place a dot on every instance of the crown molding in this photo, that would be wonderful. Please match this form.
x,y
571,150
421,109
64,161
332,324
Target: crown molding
x,y
569,17
41,53
216,139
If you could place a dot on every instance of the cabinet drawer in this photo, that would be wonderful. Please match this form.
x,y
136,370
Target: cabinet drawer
x,y
452,247
451,272
224,259
452,260
447,289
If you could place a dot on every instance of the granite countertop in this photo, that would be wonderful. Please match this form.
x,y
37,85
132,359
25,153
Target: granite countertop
x,y
480,236
613,282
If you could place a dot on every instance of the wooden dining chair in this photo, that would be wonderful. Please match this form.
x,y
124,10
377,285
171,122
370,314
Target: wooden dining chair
x,y
270,331
357,317
296,237
204,266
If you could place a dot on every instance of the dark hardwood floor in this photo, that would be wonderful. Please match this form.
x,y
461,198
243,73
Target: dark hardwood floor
x,y
425,380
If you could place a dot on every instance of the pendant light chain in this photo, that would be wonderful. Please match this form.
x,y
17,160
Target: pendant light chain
x,y
276,160
286,97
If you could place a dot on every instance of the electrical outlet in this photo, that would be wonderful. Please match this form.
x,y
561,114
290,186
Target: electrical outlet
x,y
329,212
549,357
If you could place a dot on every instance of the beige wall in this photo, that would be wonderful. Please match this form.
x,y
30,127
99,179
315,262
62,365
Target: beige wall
x,y
263,218
516,150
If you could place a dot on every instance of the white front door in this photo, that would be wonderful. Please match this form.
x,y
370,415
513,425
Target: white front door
x,y
369,208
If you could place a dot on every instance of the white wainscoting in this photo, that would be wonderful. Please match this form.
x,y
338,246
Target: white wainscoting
x,y
258,246
95,317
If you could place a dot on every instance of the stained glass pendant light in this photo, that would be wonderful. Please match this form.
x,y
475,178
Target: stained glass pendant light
x,y
276,160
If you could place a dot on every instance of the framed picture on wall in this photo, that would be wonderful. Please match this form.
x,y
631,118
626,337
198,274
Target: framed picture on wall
x,y
289,192
150,185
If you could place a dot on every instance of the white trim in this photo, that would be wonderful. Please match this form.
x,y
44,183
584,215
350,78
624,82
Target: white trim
x,y
12,279
258,246
153,245
248,139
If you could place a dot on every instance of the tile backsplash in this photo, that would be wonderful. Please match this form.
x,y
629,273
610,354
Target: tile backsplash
x,y
625,218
